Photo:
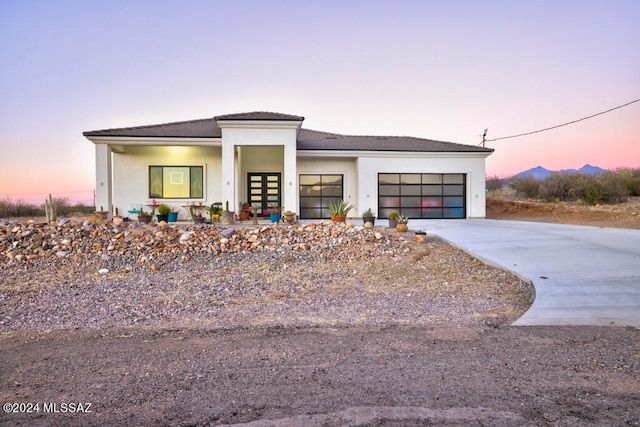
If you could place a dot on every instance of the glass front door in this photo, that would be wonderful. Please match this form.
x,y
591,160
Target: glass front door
x,y
265,190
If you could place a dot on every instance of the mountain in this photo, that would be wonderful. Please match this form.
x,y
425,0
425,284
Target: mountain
x,y
541,173
536,173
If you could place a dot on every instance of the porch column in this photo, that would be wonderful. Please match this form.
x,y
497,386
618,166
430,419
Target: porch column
x,y
290,181
103,178
228,176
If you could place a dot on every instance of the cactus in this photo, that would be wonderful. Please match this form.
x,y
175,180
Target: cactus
x,y
50,209
226,206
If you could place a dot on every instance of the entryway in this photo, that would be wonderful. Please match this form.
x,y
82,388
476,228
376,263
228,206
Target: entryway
x,y
264,190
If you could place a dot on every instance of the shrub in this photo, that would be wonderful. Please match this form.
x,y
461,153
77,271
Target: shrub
x,y
527,187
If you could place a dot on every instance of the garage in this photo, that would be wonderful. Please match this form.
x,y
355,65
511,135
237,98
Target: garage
x,y
422,195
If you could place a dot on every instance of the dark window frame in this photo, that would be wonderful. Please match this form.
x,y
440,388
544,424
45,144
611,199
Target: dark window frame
x,y
191,183
322,199
417,196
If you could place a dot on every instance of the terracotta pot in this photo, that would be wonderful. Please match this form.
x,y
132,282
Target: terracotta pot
x,y
339,218
402,227
421,238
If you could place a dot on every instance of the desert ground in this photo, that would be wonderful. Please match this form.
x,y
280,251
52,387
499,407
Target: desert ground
x,y
355,328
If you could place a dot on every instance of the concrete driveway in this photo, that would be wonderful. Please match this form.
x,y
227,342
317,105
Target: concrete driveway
x,y
582,275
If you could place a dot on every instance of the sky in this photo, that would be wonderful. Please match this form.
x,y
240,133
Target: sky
x,y
443,70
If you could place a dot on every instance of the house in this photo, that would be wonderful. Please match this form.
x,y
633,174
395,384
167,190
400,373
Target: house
x,y
268,160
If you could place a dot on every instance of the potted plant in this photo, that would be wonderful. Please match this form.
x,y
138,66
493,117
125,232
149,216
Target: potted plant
x,y
117,219
102,214
338,210
288,217
215,210
245,212
163,212
195,214
144,217
369,217
393,219
226,216
173,215
402,224
274,214
421,236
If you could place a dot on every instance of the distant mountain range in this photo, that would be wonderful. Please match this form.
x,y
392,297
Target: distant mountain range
x,y
541,173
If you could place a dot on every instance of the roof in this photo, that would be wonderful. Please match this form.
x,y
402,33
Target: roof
x,y
307,139
259,115
203,128
315,140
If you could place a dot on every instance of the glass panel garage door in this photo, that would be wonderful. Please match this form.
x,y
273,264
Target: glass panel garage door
x,y
425,195
316,191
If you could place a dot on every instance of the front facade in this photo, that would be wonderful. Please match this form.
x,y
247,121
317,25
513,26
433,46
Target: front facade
x,y
268,160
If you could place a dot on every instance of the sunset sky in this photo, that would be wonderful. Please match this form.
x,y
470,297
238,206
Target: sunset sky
x,y
442,70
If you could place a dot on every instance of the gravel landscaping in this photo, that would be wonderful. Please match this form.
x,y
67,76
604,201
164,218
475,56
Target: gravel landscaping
x,y
82,275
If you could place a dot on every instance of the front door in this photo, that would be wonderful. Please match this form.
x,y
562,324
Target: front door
x,y
264,190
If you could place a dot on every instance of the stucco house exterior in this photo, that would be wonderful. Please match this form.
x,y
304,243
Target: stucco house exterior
x,y
269,160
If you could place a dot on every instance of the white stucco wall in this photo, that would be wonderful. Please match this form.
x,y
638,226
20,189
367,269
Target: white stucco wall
x,y
258,133
131,173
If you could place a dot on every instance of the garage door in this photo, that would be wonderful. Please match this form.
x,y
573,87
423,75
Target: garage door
x,y
422,195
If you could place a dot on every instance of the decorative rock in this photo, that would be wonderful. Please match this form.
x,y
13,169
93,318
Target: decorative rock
x,y
103,271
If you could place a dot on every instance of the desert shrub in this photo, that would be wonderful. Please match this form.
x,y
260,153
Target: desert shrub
x,y
613,188
527,187
20,208
495,183
558,187
631,180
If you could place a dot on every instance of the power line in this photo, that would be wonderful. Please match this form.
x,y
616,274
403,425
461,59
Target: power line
x,y
558,126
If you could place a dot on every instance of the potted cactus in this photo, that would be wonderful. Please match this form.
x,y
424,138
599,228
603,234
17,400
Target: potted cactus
x,y
403,222
393,219
369,217
226,216
144,217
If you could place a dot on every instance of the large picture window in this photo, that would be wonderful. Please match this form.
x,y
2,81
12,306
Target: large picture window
x,y
316,191
176,182
422,195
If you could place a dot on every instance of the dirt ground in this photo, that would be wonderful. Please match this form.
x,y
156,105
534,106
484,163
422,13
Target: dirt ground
x,y
383,375
623,215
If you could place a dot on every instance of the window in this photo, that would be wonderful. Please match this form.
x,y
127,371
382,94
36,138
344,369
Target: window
x,y
426,195
316,191
176,182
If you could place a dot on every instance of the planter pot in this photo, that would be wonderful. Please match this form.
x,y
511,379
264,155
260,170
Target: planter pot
x,y
164,218
289,217
421,237
215,217
275,217
369,219
244,216
102,214
172,217
144,219
339,218
199,220
226,217
402,227
393,223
